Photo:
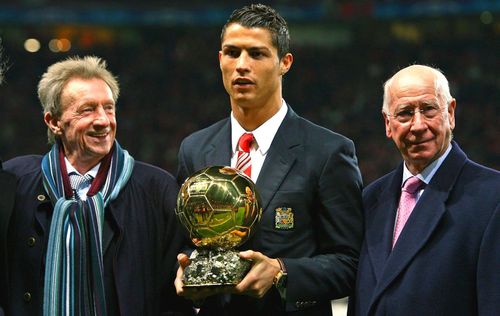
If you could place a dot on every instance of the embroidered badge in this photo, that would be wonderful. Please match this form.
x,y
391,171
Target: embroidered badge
x,y
283,218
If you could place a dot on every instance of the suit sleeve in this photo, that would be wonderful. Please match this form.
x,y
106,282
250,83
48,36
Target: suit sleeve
x,y
488,268
183,170
338,223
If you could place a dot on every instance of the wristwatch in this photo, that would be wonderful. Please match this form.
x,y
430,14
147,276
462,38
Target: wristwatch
x,y
281,277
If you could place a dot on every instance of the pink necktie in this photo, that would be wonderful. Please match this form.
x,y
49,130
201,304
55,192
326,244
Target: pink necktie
x,y
243,162
406,204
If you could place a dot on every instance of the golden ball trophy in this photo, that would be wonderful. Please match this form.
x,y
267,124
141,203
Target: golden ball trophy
x,y
219,206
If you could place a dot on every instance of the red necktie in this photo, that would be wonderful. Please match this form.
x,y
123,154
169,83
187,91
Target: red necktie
x,y
243,162
406,204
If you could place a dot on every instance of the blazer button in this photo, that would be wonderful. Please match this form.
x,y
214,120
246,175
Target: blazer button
x,y
27,297
41,197
31,241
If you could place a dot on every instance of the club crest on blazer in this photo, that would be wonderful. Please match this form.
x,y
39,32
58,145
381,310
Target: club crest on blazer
x,y
284,218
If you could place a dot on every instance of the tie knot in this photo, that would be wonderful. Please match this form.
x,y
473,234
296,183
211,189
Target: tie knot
x,y
412,185
245,142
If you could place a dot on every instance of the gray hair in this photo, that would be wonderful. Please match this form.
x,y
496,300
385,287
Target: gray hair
x,y
53,81
441,85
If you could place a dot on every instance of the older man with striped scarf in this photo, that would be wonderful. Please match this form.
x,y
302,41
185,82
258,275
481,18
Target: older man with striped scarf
x,y
93,231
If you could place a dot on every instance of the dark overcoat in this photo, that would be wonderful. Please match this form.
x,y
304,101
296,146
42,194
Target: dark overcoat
x,y
141,239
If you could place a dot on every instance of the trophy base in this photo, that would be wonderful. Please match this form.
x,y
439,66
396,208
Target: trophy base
x,y
215,267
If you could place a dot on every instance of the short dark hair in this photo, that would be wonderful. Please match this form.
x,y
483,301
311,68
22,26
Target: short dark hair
x,y
263,16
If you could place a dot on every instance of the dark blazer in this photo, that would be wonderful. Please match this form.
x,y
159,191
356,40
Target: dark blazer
x,y
447,258
7,194
314,172
141,239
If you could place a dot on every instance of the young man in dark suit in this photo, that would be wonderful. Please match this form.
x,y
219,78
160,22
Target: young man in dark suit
x,y
304,173
435,250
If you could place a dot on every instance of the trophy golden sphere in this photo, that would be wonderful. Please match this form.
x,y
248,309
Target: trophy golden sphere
x,y
219,206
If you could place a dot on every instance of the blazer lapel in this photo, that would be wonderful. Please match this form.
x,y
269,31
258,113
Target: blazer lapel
x,y
218,153
112,225
280,158
107,230
380,223
425,217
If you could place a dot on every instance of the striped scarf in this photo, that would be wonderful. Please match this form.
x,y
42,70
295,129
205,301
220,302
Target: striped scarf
x,y
74,282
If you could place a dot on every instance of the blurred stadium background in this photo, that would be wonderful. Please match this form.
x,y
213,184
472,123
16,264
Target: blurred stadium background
x,y
164,54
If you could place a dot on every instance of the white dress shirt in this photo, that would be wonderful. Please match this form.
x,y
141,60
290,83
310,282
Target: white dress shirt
x,y
263,135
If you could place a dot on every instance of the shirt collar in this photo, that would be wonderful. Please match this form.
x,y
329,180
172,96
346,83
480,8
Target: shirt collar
x,y
429,171
263,134
92,172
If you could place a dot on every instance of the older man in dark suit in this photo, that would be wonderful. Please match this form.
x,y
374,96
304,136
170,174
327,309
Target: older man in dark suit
x,y
436,249
304,173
